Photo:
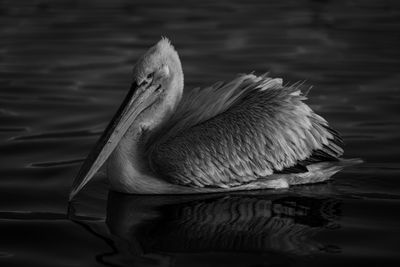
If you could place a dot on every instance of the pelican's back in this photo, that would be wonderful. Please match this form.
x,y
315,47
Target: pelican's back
x,y
232,134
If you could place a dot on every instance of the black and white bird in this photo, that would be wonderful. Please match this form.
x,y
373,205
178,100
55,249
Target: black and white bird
x,y
250,133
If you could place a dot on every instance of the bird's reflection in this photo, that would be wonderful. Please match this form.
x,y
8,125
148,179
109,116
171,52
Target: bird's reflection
x,y
144,225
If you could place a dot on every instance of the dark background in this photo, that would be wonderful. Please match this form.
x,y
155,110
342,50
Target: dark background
x,y
66,65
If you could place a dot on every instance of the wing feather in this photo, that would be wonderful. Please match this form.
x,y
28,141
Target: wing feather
x,y
234,133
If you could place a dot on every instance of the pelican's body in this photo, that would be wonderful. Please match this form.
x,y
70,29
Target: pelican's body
x,y
250,133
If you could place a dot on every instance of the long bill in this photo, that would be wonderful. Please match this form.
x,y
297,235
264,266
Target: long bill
x,y
133,104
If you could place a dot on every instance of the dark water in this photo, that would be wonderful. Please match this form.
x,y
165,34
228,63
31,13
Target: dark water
x,y
65,66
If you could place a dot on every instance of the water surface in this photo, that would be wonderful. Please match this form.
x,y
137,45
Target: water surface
x,y
65,67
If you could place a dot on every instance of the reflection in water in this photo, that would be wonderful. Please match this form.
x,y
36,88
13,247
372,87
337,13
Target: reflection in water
x,y
145,226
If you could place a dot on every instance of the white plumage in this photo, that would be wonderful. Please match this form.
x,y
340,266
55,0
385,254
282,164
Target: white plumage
x,y
250,133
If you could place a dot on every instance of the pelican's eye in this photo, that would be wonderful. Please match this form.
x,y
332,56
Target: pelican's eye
x,y
143,83
147,80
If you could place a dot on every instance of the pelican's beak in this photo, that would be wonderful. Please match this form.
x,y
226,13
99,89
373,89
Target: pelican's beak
x,y
138,98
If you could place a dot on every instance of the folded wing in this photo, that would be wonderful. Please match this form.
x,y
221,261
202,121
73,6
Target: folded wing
x,y
234,133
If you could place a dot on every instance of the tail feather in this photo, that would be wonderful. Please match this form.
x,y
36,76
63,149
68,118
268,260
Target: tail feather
x,y
334,165
317,172
322,171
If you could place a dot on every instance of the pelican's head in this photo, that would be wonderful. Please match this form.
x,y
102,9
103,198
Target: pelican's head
x,y
157,82
158,68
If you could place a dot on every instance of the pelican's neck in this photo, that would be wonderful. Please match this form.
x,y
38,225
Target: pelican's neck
x,y
128,166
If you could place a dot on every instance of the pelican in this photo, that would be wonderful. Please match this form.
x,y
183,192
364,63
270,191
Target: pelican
x,y
250,133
